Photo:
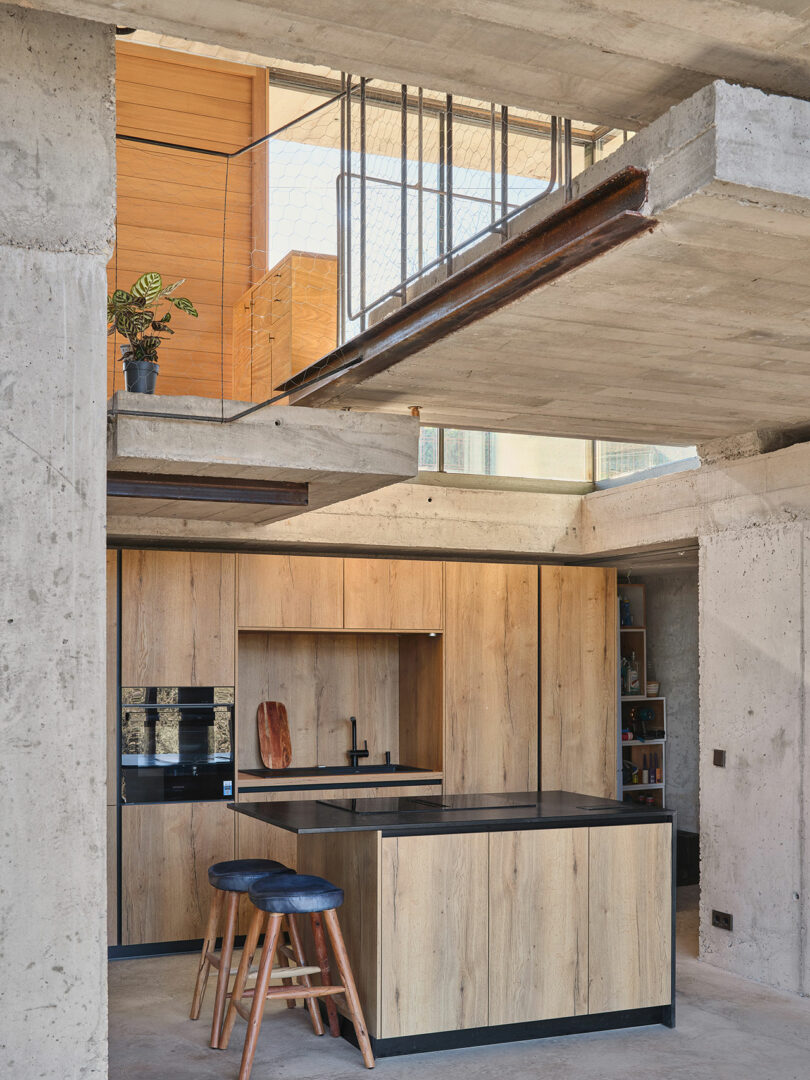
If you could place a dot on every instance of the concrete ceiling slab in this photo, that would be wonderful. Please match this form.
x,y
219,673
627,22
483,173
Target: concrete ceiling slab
x,y
617,62
696,330
338,455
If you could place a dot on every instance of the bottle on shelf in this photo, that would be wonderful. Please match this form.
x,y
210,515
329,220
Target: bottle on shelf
x,y
645,772
633,683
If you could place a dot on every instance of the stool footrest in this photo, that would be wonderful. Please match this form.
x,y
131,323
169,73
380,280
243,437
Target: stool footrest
x,y
285,992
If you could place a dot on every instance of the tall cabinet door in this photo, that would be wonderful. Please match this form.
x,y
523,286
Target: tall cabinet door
x,y
177,618
490,642
578,680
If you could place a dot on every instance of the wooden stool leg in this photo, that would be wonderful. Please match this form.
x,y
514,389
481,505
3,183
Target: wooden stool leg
x,y
224,976
322,960
248,952
260,995
298,950
288,982
347,979
209,944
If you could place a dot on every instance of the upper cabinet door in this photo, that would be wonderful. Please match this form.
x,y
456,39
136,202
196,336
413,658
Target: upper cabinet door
x,y
490,649
392,594
578,680
290,592
177,619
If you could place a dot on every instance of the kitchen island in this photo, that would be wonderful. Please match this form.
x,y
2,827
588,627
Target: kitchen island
x,y
495,917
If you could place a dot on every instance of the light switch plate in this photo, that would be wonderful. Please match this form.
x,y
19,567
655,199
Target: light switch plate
x,y
720,759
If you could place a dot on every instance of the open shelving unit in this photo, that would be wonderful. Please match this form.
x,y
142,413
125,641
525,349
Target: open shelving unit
x,y
643,715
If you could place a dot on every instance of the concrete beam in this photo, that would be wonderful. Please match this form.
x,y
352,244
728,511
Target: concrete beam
x,y
340,455
619,62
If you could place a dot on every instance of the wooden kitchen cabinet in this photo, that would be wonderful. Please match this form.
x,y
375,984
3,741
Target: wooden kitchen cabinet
x,y
166,849
177,618
538,937
579,680
434,924
630,917
392,594
490,663
290,592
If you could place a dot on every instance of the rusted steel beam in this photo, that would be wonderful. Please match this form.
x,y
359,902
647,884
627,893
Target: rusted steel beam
x,y
578,232
131,485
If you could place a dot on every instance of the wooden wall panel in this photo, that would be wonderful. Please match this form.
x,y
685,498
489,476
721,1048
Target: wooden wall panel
x,y
170,203
166,849
434,934
490,659
578,682
392,594
352,861
323,679
421,701
538,939
290,591
112,678
630,921
177,614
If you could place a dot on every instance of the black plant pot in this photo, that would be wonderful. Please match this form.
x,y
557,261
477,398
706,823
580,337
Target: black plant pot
x,y
140,376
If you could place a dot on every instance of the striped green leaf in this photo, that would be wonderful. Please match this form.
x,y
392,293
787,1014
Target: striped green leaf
x,y
148,287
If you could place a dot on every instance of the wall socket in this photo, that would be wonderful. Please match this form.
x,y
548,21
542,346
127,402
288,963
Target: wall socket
x,y
720,759
722,920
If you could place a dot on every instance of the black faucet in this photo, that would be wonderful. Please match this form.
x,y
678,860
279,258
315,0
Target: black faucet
x,y
354,753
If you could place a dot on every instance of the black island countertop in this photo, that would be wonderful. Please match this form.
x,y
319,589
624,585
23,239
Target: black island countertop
x,y
450,813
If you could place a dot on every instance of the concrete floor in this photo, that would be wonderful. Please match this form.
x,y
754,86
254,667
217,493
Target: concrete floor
x,y
728,1029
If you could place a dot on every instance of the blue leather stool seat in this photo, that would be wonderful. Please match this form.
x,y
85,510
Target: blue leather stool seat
x,y
291,894
237,875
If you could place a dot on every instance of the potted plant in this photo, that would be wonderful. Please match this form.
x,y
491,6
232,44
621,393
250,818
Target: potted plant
x,y
136,316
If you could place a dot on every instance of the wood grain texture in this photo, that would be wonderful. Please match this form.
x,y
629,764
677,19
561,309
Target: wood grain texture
x,y
538,919
392,594
166,850
578,680
172,204
177,614
490,661
293,313
112,678
274,735
434,934
630,927
421,701
352,861
323,679
290,591
112,875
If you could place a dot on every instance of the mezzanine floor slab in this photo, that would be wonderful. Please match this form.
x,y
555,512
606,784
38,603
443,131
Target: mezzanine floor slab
x,y
728,1029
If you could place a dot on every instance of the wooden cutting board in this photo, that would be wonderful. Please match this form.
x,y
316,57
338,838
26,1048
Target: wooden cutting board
x,y
274,735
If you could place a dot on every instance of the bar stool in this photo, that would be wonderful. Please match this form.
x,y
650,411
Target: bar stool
x,y
274,898
229,881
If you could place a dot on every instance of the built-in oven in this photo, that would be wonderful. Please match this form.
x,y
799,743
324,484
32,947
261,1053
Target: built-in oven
x,y
176,743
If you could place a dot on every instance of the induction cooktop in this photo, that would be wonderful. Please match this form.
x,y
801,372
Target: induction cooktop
x,y
430,804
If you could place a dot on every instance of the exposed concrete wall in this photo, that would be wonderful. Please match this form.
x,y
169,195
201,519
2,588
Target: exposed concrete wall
x,y
755,847
672,658
56,213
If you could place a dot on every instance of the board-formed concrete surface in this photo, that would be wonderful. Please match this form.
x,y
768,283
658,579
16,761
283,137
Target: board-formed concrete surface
x,y
693,331
339,455
728,1029
618,62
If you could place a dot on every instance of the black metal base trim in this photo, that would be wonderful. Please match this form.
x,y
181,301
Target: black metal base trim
x,y
502,1033
246,790
164,948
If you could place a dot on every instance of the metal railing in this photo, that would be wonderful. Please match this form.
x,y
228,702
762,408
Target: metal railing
x,y
450,238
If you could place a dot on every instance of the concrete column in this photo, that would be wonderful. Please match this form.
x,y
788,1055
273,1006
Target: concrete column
x,y
754,829
56,216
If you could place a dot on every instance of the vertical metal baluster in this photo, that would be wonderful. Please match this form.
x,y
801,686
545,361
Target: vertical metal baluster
x,y
569,179
362,204
492,203
420,177
348,198
403,210
449,204
440,237
504,167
